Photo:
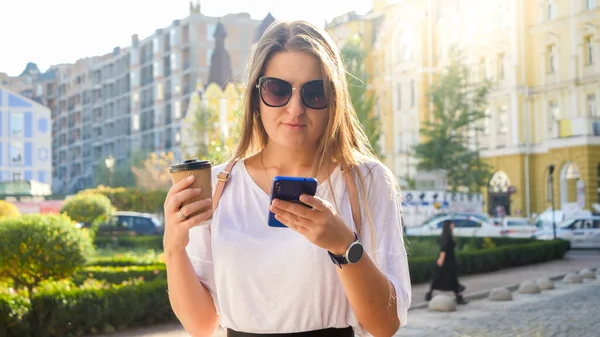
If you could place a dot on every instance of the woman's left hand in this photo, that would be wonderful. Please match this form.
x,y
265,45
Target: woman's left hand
x,y
321,225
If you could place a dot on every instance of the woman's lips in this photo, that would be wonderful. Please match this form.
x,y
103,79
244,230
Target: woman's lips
x,y
294,126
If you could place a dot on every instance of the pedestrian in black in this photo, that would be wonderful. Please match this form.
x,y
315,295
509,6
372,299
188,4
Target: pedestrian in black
x,y
446,275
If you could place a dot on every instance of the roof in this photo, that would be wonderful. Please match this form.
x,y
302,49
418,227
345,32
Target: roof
x,y
262,27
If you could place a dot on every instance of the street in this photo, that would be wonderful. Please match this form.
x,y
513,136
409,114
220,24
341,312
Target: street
x,y
568,310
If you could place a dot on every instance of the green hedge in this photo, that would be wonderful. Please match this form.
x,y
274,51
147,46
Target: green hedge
x,y
129,241
122,261
79,311
492,259
118,275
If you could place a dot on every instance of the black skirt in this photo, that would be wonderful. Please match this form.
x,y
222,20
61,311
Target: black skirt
x,y
331,332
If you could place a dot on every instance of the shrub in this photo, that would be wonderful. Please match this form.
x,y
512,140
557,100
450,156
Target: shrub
x,y
8,209
37,247
64,309
134,200
88,208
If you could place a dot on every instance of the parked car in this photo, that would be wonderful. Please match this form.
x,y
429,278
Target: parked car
x,y
464,225
581,231
515,227
133,222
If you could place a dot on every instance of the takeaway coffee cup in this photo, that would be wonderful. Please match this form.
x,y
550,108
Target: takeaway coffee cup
x,y
201,170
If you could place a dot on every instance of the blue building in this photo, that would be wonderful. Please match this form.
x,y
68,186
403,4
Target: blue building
x,y
25,139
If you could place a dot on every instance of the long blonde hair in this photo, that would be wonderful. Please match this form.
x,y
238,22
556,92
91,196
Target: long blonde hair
x,y
343,140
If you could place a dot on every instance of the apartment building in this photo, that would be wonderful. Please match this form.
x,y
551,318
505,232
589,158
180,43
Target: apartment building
x,y
25,136
133,99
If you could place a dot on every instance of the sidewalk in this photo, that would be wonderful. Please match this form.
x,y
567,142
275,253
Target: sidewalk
x,y
573,261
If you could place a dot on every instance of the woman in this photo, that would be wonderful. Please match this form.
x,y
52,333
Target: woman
x,y
446,275
253,279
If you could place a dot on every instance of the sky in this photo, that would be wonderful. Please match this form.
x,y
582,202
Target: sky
x,y
51,32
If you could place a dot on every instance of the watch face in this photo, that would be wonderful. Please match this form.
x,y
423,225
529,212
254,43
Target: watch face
x,y
355,252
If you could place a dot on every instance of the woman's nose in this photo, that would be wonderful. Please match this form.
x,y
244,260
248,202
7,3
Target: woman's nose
x,y
295,105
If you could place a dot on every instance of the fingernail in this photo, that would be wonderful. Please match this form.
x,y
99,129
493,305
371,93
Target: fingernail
x,y
198,190
190,178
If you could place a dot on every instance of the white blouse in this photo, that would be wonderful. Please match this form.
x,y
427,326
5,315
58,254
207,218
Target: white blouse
x,y
273,280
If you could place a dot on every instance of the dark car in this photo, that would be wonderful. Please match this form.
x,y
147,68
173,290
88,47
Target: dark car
x,y
133,222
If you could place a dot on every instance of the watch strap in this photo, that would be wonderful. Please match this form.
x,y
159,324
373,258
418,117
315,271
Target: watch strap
x,y
339,260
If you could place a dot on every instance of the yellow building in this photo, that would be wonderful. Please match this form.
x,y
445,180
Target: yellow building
x,y
544,60
398,76
404,70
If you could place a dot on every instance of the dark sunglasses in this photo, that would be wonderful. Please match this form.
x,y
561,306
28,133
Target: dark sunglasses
x,y
276,93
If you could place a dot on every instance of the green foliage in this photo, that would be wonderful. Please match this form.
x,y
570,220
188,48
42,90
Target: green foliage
x,y
117,275
356,76
8,209
134,200
215,149
37,247
88,208
121,174
65,309
130,242
458,108
485,260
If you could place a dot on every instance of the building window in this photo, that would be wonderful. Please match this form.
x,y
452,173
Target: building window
x,y
553,114
17,124
551,10
412,93
591,106
210,31
208,57
156,45
405,46
503,120
136,123
500,66
399,97
486,122
173,61
590,4
16,153
16,176
589,50
551,59
177,110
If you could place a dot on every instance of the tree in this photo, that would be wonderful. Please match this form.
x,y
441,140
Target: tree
x,y
152,174
121,174
363,103
458,107
210,144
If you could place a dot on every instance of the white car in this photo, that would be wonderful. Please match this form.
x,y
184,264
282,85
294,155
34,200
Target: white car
x,y
463,226
518,227
581,231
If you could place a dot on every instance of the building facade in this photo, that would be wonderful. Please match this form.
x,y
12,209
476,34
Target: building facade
x,y
25,138
133,99
543,60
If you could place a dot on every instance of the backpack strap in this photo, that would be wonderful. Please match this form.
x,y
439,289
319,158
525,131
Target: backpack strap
x,y
354,200
222,178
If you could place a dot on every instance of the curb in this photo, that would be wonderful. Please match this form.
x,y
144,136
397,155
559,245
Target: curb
x,y
486,293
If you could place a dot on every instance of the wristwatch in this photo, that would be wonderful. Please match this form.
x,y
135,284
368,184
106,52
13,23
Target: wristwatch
x,y
353,254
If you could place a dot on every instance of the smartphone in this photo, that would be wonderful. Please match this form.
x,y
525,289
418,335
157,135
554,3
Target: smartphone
x,y
290,189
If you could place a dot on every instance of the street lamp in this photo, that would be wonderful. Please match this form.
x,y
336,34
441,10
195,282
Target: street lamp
x,y
110,164
551,196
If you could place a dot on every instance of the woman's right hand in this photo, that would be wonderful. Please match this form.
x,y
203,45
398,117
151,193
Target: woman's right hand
x,y
177,230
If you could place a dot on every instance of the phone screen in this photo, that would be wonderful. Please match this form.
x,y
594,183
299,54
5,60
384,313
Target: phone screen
x,y
290,189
